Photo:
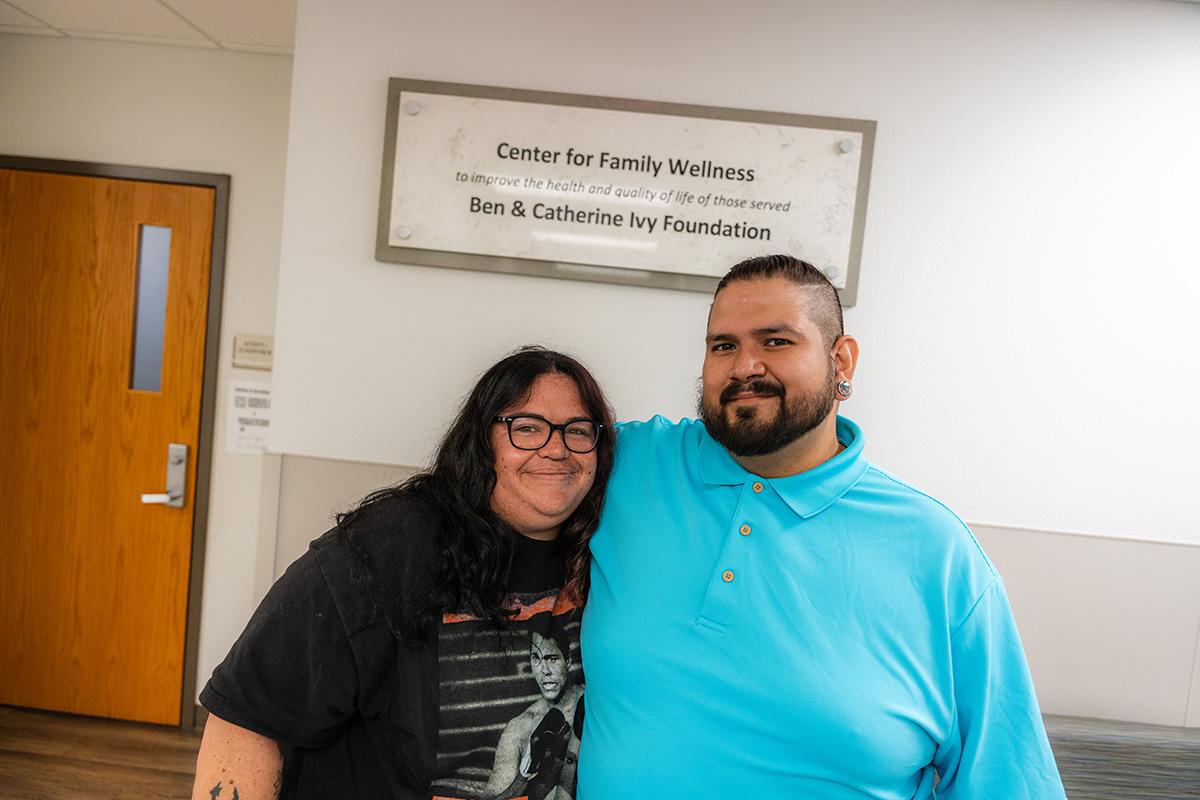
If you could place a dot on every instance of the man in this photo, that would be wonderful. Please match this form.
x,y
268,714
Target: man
x,y
771,615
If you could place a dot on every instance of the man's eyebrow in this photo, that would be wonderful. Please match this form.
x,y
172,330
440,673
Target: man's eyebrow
x,y
779,327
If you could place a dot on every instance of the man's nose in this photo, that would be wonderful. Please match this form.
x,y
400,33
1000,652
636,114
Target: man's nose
x,y
747,365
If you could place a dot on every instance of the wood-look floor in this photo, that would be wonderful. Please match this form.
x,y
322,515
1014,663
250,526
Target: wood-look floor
x,y
48,756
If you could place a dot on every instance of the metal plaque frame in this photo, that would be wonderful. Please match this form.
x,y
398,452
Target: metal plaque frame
x,y
593,272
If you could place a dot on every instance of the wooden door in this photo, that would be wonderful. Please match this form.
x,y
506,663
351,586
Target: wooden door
x,y
94,583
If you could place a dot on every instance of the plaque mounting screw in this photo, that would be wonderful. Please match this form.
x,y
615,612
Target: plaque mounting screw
x,y
846,145
412,108
403,232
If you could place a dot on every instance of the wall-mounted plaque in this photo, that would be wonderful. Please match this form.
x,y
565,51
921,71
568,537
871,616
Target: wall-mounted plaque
x,y
620,191
252,351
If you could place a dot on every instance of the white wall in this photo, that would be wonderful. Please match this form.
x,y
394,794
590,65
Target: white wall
x,y
185,109
1029,270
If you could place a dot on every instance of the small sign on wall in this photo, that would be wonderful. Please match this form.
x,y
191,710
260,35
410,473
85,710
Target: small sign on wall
x,y
253,352
622,191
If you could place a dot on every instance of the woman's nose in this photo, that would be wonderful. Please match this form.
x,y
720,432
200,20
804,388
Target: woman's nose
x,y
556,446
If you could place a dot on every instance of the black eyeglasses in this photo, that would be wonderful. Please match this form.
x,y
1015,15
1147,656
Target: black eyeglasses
x,y
531,432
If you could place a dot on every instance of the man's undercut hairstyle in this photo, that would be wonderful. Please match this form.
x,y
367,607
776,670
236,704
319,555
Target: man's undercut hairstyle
x,y
824,307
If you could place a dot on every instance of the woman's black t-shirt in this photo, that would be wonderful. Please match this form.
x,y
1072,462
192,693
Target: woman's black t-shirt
x,y
474,711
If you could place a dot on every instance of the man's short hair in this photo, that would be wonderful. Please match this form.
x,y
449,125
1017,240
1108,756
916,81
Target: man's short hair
x,y
824,307
560,639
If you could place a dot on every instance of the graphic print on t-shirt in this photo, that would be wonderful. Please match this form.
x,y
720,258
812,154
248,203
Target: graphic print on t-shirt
x,y
511,703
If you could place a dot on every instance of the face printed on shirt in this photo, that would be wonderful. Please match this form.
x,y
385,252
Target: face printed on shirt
x,y
549,665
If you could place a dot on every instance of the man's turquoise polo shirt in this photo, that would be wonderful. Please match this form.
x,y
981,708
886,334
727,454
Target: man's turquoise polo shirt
x,y
833,634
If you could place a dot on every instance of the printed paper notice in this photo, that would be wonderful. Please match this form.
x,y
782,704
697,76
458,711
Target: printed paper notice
x,y
249,417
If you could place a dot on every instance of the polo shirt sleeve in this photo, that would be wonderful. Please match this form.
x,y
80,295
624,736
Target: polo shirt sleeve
x,y
291,674
997,746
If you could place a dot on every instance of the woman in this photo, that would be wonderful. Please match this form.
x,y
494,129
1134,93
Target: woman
x,y
389,659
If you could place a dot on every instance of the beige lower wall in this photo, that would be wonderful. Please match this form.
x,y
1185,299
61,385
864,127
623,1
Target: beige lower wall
x,y
1111,626
311,492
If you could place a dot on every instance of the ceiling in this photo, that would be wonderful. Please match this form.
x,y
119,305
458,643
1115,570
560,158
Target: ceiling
x,y
251,26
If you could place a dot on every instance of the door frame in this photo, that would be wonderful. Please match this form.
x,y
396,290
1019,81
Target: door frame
x,y
188,717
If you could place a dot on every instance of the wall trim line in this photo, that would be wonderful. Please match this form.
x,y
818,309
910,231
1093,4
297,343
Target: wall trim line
x,y
1081,534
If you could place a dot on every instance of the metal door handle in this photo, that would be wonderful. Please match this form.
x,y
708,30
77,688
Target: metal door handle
x,y
176,478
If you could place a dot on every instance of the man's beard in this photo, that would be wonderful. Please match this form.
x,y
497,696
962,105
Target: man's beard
x,y
747,434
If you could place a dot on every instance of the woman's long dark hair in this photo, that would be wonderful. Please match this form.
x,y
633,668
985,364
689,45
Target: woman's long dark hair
x,y
475,545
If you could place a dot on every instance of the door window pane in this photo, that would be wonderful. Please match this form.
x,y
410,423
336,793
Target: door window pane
x,y
154,250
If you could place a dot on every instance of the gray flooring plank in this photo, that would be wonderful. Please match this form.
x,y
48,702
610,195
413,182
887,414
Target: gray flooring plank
x,y
1107,760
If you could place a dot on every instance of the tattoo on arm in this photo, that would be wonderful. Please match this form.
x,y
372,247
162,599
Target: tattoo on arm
x,y
215,792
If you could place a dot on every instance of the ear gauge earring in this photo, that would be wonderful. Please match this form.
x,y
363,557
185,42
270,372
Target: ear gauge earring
x,y
844,389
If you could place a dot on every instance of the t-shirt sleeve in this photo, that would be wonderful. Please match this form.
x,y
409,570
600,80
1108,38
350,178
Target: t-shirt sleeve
x,y
997,746
291,675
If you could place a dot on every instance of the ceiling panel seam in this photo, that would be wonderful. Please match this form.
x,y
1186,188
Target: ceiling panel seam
x,y
34,17
194,26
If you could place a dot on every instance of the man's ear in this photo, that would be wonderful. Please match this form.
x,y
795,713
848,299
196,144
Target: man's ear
x,y
845,358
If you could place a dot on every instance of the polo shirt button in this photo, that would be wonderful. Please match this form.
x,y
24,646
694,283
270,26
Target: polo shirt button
x,y
757,487
727,576
744,530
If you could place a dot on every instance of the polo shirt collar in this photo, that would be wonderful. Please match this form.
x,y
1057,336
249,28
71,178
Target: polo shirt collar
x,y
807,493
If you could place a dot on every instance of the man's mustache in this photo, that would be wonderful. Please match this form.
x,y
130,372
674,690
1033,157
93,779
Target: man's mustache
x,y
759,387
